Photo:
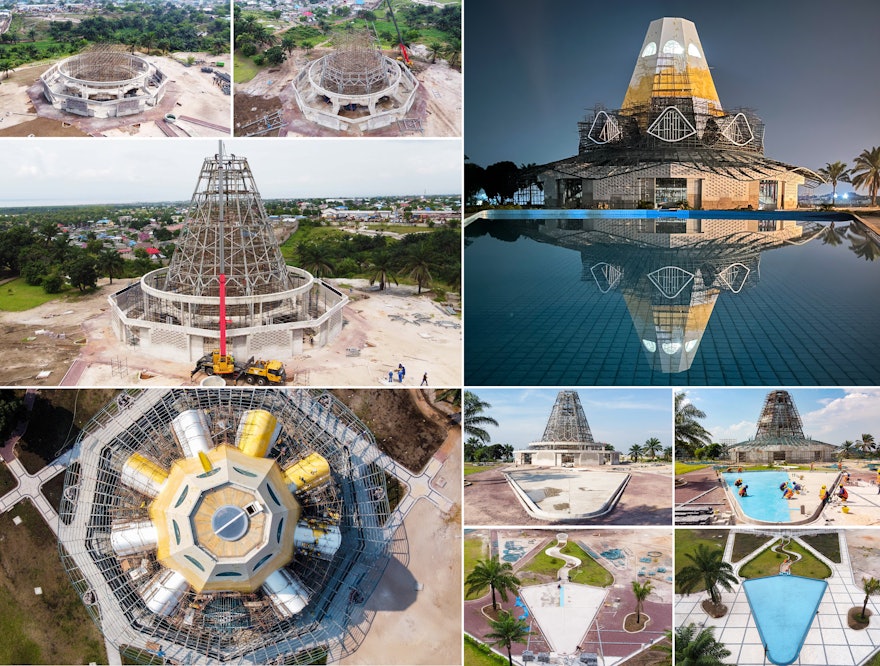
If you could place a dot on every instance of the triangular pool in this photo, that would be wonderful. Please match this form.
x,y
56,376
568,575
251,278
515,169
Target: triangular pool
x,y
784,607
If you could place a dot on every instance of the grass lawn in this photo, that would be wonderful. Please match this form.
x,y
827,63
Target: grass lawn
x,y
478,654
744,543
474,549
17,296
7,479
828,544
686,541
470,468
767,564
543,566
684,468
52,628
243,69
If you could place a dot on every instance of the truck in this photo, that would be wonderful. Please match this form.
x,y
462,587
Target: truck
x,y
253,371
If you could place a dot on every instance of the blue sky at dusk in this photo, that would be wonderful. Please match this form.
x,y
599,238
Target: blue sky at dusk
x,y
808,68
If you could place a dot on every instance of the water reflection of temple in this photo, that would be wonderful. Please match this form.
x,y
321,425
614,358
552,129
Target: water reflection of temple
x,y
671,272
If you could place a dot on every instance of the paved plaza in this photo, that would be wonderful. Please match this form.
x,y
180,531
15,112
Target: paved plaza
x,y
829,639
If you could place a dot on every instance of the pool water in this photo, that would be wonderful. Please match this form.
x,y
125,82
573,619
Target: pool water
x,y
784,607
636,302
764,500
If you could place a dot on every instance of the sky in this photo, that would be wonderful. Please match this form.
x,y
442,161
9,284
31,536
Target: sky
x,y
828,415
809,68
621,417
85,171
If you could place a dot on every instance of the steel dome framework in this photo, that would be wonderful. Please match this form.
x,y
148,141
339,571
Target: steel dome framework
x,y
344,538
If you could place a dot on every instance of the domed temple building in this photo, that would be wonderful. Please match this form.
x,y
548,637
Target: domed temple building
x,y
671,144
780,437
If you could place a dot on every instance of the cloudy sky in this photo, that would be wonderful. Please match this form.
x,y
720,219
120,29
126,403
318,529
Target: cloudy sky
x,y
829,415
76,171
807,67
621,417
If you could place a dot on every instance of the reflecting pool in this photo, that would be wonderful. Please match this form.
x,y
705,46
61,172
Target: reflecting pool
x,y
671,300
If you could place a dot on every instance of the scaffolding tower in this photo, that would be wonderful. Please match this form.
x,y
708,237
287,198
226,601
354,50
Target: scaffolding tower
x,y
779,417
567,422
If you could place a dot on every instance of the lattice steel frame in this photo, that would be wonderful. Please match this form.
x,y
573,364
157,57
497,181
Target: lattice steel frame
x,y
335,621
356,67
567,422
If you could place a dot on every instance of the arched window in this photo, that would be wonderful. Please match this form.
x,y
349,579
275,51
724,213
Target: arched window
x,y
694,51
650,49
673,47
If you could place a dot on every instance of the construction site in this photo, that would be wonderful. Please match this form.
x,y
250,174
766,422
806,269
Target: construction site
x,y
227,286
353,89
209,525
107,90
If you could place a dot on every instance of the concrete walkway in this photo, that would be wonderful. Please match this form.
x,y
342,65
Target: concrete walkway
x,y
29,487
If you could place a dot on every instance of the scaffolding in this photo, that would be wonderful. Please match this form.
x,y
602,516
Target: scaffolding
x,y
119,585
567,422
779,417
176,310
356,67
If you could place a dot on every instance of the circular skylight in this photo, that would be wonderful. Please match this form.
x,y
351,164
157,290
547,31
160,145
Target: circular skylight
x,y
229,522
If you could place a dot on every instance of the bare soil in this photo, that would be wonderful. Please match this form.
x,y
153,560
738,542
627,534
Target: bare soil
x,y
714,610
400,427
854,618
630,624
25,112
438,103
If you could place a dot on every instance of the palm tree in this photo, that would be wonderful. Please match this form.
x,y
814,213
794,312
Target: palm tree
x,y
419,264
709,569
110,262
698,649
288,42
847,447
312,259
866,443
635,451
641,592
864,246
383,270
866,172
452,396
496,574
689,434
651,447
506,631
474,419
869,586
667,454
835,172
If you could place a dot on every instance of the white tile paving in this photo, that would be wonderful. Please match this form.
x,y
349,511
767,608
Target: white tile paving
x,y
829,642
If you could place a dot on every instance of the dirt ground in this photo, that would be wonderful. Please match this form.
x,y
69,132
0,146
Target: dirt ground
x,y
864,551
438,101
190,92
52,336
411,437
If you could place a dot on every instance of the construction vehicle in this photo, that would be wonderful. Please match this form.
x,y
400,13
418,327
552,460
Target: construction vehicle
x,y
253,372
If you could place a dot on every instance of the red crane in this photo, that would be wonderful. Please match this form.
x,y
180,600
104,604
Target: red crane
x,y
399,37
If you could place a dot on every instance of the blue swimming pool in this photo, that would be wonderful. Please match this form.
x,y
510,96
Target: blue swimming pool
x,y
784,608
764,500
670,302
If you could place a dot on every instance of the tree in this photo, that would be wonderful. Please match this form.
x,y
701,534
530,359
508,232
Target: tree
x,y
641,592
846,448
835,172
313,258
506,631
288,42
275,55
866,172
474,181
698,648
500,181
81,271
866,443
708,568
383,269
652,446
689,434
110,263
869,586
474,419
495,574
635,451
418,263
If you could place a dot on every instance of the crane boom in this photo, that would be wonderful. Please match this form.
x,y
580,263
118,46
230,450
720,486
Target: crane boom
x,y
399,37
